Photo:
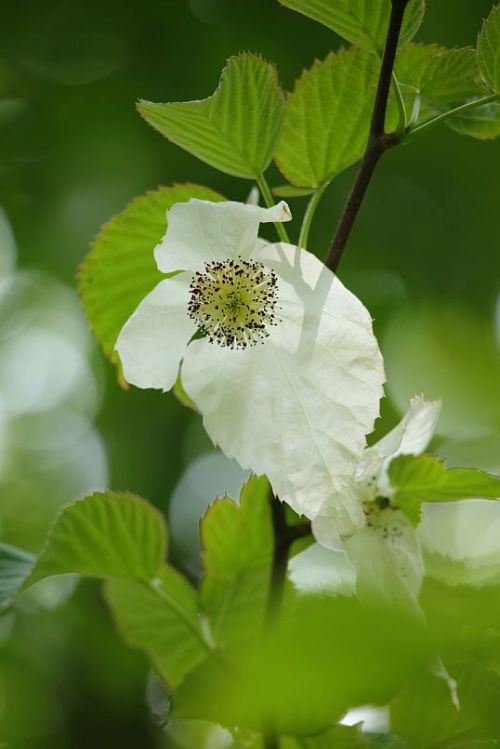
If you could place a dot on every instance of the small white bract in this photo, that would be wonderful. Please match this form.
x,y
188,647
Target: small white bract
x,y
278,356
385,553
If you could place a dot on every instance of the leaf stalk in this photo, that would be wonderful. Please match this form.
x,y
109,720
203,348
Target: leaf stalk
x,y
269,201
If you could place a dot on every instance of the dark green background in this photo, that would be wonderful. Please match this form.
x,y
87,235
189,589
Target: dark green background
x,y
424,257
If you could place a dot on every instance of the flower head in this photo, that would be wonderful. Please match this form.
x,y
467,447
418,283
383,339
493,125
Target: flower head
x,y
279,357
385,553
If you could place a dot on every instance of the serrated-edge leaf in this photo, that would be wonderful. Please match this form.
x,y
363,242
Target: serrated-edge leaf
x,y
106,534
327,118
15,566
237,555
234,130
482,123
361,22
119,269
162,619
439,77
488,49
424,478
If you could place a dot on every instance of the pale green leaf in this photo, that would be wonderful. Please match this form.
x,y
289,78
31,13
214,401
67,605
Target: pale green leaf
x,y
424,712
433,79
362,22
122,538
291,191
327,118
235,130
488,49
482,123
424,478
161,617
104,535
15,566
434,711
120,269
306,673
474,573
237,556
182,396
342,737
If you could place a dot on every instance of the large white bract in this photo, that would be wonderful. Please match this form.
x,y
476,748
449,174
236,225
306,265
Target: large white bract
x,y
385,553
279,357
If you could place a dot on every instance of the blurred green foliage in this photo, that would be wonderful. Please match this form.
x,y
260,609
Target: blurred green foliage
x,y
73,151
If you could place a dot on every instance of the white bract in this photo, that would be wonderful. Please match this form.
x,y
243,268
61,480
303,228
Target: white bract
x,y
278,356
385,553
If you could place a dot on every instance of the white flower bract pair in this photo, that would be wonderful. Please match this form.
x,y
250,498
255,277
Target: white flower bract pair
x,y
278,356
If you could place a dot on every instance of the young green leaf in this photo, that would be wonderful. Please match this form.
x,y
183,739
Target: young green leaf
x,y
235,130
120,269
433,79
123,539
361,22
291,191
424,478
237,555
341,737
15,566
327,118
488,49
162,619
431,696
434,711
306,672
104,535
482,123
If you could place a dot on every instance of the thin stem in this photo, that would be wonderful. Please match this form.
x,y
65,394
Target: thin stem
x,y
269,201
401,105
467,107
284,537
309,215
271,741
378,141
280,560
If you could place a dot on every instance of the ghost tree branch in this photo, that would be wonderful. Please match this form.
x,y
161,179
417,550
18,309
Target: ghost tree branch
x,y
378,140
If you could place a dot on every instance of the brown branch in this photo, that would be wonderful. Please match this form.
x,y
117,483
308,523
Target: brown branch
x,y
378,140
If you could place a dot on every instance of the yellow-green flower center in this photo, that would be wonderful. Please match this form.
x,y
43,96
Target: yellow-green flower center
x,y
234,302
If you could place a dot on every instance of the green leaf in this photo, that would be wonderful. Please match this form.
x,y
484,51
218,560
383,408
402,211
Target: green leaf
x,y
482,123
120,269
488,49
433,79
434,710
327,118
471,572
424,712
182,396
15,566
234,130
424,478
345,737
291,191
122,538
104,535
361,22
162,618
237,556
306,672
